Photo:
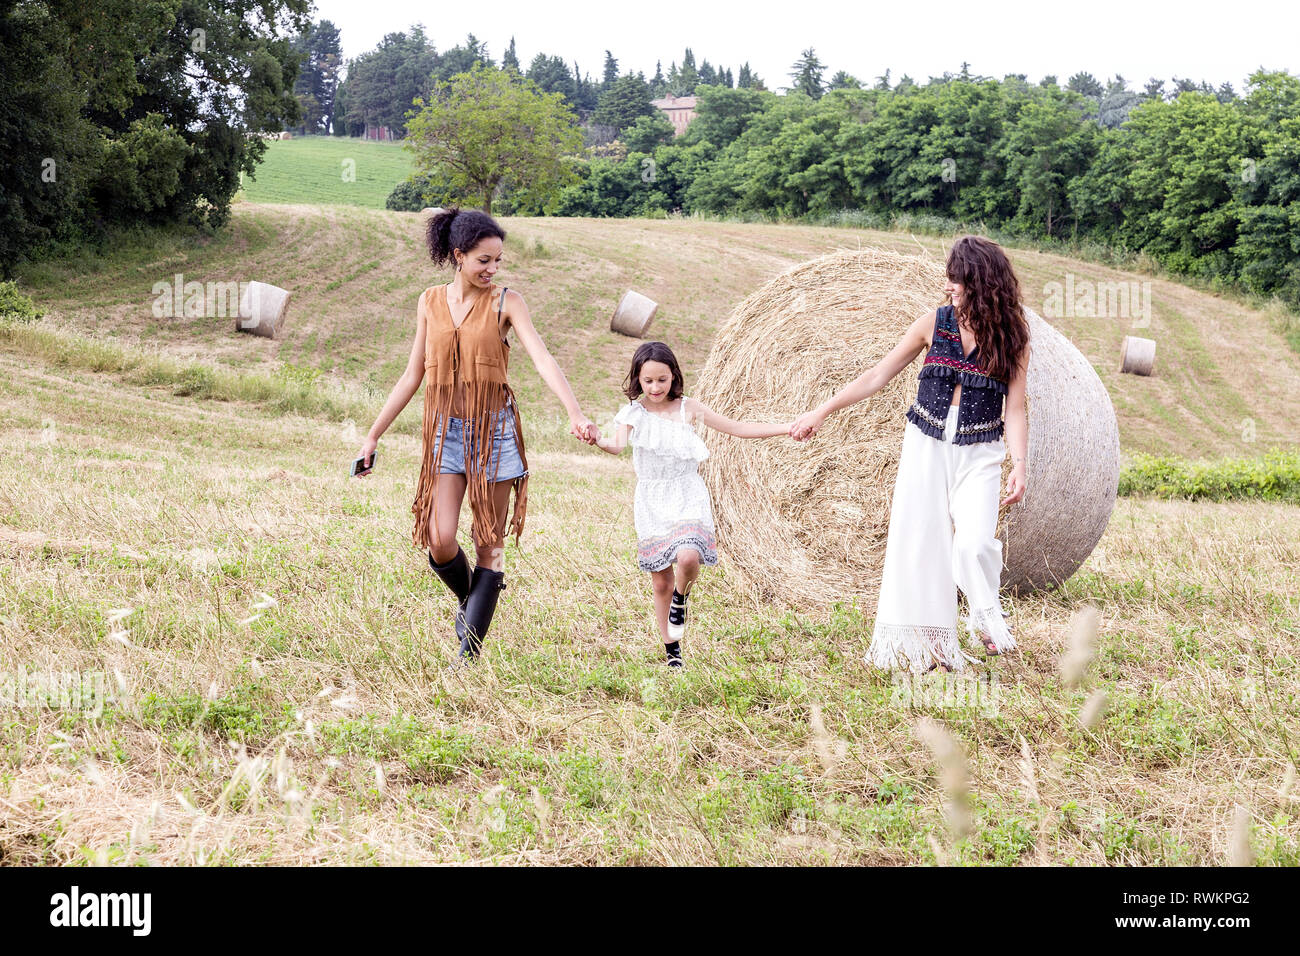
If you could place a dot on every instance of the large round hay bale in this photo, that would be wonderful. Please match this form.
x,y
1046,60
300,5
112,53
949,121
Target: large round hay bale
x,y
806,524
1138,355
262,308
633,314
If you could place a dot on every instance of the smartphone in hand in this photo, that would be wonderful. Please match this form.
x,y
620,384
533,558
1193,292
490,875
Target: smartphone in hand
x,y
363,467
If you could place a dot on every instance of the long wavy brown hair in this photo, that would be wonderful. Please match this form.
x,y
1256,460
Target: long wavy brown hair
x,y
991,305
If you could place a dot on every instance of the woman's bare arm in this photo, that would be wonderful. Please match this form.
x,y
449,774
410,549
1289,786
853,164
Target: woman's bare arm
x,y
1017,431
408,383
516,312
913,342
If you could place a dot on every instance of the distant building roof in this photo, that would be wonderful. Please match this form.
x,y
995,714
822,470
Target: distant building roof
x,y
680,110
674,103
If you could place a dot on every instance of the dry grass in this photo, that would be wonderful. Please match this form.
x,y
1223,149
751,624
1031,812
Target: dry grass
x,y
275,652
275,603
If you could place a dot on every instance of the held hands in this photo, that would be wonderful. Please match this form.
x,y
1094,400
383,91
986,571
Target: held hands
x,y
584,429
1016,484
806,425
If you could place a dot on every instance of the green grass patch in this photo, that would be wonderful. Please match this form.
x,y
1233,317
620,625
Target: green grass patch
x,y
1274,476
328,170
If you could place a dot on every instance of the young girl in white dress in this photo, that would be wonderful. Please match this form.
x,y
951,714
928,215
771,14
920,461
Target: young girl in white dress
x,y
674,522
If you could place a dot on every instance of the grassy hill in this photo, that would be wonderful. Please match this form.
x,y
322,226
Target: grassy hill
x,y
328,169
1226,382
275,652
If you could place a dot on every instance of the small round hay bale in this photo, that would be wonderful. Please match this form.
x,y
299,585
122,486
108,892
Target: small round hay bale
x,y
261,309
633,315
806,524
1138,356
428,212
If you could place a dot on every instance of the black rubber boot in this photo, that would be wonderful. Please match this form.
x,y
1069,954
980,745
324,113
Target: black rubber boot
x,y
479,608
456,575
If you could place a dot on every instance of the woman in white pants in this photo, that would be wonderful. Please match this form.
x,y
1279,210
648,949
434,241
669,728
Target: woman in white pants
x,y
944,515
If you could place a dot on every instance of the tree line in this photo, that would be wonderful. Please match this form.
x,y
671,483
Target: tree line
x,y
121,113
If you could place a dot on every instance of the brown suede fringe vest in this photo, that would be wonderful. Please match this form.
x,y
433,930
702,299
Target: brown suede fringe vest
x,y
475,359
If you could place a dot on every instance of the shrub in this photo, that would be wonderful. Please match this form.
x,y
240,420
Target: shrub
x,y
1275,477
15,306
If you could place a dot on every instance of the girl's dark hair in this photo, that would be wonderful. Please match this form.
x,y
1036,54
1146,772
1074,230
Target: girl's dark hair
x,y
456,228
991,303
653,352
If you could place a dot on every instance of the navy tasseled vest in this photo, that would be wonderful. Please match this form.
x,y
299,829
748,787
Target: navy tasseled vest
x,y
979,417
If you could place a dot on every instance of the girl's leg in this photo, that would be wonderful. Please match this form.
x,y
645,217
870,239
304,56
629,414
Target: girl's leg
x,y
976,550
688,569
661,582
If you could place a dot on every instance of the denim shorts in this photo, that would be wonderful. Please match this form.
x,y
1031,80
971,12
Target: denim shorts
x,y
505,448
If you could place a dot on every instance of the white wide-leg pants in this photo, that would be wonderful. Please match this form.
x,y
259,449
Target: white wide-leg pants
x,y
942,526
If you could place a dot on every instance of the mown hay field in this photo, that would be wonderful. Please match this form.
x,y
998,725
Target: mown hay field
x,y
274,654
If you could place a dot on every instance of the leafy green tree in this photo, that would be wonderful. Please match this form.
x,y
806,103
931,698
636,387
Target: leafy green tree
x,y
806,74
621,104
647,133
1048,146
510,59
721,114
611,72
318,75
87,85
658,85
1085,84
747,79
1268,240
586,94
383,82
463,58
1116,103
551,75
488,126
844,81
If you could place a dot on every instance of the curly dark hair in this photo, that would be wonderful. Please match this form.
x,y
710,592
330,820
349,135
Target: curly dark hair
x,y
991,305
653,352
455,228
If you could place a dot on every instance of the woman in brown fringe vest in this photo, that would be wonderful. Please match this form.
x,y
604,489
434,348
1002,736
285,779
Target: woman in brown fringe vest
x,y
472,437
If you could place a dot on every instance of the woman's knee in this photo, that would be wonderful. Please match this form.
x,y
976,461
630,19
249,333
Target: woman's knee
x,y
444,545
975,548
688,560
662,582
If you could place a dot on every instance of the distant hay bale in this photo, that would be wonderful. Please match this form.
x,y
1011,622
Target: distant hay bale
x,y
633,314
286,135
806,524
1138,355
428,212
262,309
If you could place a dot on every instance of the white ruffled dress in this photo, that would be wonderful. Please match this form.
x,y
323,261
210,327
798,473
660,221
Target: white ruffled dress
x,y
671,504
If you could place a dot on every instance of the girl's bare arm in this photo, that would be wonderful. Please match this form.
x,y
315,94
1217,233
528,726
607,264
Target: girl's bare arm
x,y
707,416
616,444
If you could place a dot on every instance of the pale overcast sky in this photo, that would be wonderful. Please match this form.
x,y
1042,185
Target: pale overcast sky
x,y
1216,42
